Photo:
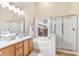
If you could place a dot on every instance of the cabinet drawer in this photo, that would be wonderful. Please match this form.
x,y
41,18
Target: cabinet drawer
x,y
19,51
20,44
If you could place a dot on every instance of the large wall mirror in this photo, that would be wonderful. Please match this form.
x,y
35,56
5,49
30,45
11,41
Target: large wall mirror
x,y
10,19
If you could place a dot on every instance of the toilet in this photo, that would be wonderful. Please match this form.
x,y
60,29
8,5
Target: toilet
x,y
42,47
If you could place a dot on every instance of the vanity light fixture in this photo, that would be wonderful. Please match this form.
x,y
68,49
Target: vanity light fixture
x,y
11,6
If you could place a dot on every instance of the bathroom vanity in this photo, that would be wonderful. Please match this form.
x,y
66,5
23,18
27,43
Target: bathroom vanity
x,y
17,47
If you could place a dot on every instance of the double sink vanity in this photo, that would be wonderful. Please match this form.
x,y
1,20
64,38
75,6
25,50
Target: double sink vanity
x,y
19,46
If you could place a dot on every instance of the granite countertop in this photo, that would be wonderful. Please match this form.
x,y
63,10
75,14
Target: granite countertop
x,y
5,43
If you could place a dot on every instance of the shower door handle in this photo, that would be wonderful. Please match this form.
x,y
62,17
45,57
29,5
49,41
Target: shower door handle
x,y
73,29
55,28
62,29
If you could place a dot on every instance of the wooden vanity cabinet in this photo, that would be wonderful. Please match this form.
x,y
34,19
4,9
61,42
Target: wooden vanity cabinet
x,y
20,44
23,48
31,45
20,49
8,51
27,47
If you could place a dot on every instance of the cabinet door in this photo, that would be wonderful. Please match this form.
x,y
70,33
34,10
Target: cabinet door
x,y
31,45
59,32
26,47
69,35
19,51
8,51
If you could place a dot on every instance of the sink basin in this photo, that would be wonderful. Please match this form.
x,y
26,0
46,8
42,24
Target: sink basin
x,y
19,36
5,37
8,35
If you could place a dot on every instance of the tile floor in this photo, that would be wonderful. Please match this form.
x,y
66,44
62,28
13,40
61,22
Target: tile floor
x,y
40,53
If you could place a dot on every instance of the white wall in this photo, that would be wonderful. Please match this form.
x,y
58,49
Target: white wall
x,y
52,9
57,9
74,8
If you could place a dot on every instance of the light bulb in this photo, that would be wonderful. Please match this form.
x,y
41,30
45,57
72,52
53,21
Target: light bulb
x,y
10,7
22,13
7,4
3,5
15,10
13,7
18,11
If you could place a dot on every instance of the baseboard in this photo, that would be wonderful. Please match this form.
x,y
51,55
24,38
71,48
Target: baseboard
x,y
67,52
